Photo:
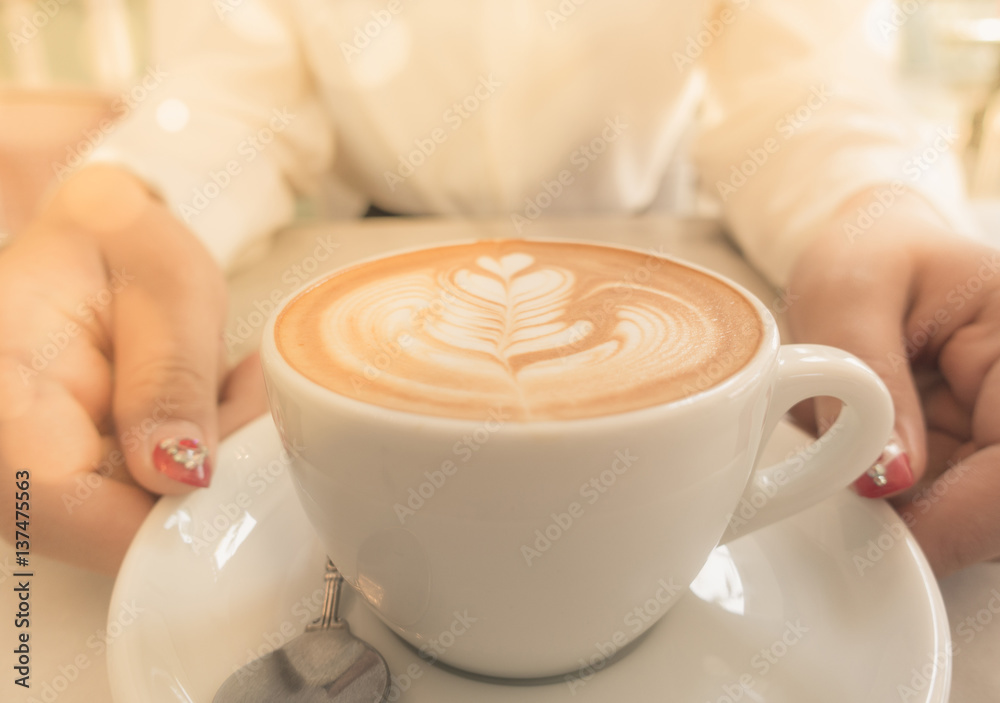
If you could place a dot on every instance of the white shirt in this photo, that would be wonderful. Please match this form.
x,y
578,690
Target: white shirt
x,y
528,108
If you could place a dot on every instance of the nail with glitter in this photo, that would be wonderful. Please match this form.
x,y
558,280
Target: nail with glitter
x,y
890,474
185,460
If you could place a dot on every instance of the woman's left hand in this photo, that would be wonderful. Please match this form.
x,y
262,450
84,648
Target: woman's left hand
x,y
922,308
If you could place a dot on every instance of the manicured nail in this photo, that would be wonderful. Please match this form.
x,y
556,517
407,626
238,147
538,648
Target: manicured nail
x,y
185,460
891,473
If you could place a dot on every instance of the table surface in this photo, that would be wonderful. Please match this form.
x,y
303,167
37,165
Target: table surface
x,y
69,605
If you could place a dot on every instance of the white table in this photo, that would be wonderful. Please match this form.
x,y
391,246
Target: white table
x,y
70,606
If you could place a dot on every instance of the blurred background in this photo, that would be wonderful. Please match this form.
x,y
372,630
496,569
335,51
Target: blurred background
x,y
67,67
64,67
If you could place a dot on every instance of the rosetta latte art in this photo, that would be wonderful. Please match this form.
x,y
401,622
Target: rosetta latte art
x,y
545,330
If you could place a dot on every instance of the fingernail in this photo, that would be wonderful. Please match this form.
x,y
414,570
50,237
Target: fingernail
x,y
891,473
183,459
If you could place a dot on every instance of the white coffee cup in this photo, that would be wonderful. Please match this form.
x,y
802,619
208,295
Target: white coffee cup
x,y
524,559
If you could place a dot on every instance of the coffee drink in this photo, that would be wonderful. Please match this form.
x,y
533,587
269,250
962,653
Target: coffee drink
x,y
438,485
547,330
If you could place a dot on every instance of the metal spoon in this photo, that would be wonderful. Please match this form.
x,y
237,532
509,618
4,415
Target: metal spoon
x,y
325,664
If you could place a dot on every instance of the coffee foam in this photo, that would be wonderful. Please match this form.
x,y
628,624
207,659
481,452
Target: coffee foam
x,y
546,330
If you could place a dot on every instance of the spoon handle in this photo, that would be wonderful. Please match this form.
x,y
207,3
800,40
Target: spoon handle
x,y
331,601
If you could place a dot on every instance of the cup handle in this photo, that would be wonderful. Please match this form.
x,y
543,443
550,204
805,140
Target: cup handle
x,y
832,461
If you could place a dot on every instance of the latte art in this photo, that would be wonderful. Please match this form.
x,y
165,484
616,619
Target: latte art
x,y
546,330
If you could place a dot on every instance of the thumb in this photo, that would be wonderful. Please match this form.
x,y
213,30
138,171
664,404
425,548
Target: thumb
x,y
867,322
168,319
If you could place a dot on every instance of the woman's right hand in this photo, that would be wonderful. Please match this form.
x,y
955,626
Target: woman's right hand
x,y
111,318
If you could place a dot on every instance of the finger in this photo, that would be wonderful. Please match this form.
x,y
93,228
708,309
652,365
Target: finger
x,y
112,465
944,413
54,394
954,519
97,532
168,320
960,525
942,449
52,325
243,397
986,412
971,352
81,515
867,321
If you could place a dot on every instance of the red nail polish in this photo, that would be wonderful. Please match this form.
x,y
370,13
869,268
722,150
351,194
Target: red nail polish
x,y
891,473
185,460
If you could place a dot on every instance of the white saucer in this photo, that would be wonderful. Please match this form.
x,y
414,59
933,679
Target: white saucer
x,y
208,602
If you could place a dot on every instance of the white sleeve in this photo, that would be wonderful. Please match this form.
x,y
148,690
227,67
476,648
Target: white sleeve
x,y
801,116
228,132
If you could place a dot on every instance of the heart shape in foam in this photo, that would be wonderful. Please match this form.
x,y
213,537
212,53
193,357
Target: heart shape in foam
x,y
507,266
518,310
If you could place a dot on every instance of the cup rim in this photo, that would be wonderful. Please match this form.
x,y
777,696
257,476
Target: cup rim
x,y
274,363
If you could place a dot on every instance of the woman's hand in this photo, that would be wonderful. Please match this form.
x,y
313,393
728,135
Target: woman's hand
x,y
111,315
922,308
